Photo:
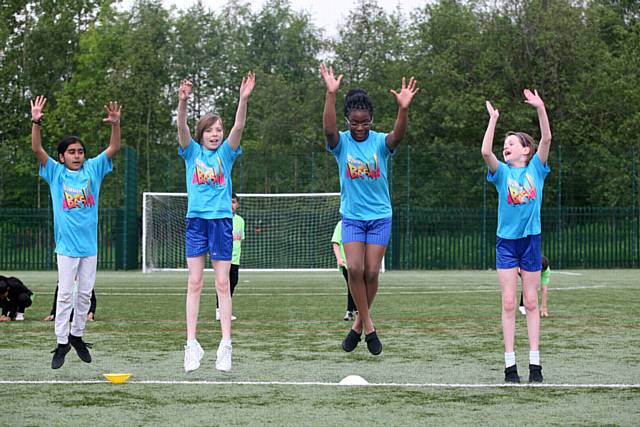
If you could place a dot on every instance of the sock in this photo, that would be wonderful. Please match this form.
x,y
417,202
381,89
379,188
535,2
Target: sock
x,y
225,342
509,359
534,358
192,343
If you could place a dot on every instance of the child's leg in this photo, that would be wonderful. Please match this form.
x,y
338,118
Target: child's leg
x,y
354,252
508,278
67,270
86,280
194,289
530,281
351,305
24,301
224,296
233,277
372,259
543,303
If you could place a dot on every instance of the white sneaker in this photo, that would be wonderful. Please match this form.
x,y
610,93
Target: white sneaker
x,y
223,358
192,357
522,310
348,315
19,316
218,315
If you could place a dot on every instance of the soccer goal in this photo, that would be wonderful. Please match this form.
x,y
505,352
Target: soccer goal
x,y
283,232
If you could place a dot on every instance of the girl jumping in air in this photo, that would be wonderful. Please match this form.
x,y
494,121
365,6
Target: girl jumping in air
x,y
365,204
74,182
209,159
519,182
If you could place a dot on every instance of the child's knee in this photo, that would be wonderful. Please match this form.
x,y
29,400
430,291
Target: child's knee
x,y
509,305
222,287
195,285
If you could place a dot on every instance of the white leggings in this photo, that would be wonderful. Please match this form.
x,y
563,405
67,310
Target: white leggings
x,y
84,268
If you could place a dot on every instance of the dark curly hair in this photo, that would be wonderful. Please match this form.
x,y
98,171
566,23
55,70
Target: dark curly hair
x,y
357,99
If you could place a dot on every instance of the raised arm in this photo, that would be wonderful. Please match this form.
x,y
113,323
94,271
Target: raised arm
x,y
184,136
113,118
329,124
36,122
487,143
533,99
403,98
248,83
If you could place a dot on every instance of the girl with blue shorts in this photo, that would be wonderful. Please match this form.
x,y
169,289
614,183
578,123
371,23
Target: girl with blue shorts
x,y
365,204
209,159
519,182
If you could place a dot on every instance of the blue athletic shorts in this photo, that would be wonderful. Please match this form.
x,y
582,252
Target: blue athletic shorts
x,y
214,236
374,231
525,253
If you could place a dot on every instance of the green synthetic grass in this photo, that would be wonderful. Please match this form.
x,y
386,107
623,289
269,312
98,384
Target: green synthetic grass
x,y
436,327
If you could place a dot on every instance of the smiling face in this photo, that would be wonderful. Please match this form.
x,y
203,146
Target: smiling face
x,y
359,123
212,136
73,156
514,152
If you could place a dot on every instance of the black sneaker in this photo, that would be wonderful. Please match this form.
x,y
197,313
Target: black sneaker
x,y
81,348
373,343
58,355
511,375
351,341
535,373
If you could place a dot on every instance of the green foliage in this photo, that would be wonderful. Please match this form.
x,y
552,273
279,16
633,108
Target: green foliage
x,y
583,57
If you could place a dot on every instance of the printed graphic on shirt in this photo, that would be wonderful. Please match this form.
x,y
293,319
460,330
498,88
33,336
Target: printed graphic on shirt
x,y
358,169
76,198
208,175
521,194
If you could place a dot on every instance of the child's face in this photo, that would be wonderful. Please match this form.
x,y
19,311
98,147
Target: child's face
x,y
73,157
234,205
514,152
359,122
212,136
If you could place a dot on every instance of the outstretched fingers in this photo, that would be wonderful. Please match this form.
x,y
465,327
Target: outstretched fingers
x,y
407,92
329,78
37,106
113,112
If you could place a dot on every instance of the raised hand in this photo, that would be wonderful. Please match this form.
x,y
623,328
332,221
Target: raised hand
x,y
493,113
332,83
248,83
533,99
36,108
113,113
185,90
406,94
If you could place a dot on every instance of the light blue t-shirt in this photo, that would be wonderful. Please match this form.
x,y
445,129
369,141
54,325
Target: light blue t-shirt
x,y
75,196
364,189
519,198
209,179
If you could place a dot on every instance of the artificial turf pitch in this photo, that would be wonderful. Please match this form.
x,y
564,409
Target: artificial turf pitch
x,y
442,362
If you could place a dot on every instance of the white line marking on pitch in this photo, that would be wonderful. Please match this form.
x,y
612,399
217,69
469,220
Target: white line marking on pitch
x,y
317,383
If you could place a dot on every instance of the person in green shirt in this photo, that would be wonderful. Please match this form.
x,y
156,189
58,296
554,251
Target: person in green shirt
x,y
238,237
341,258
545,278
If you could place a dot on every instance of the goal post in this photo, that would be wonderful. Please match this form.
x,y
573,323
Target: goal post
x,y
283,232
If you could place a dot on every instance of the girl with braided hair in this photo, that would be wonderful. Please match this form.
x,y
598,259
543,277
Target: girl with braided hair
x,y
365,203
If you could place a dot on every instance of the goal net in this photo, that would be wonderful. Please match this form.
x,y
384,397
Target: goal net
x,y
282,231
